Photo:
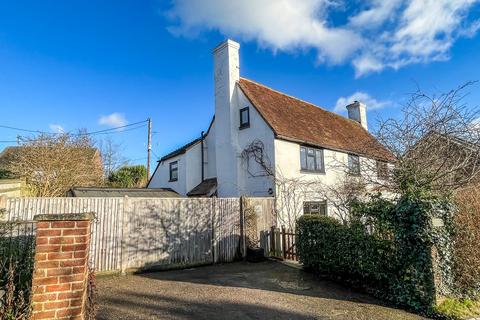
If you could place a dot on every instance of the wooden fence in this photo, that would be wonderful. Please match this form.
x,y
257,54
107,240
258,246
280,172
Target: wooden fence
x,y
280,243
151,232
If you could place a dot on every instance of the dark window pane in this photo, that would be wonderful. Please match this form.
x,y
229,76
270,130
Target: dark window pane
x,y
315,207
319,159
354,164
310,161
303,158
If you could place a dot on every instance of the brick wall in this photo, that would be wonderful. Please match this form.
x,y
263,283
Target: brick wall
x,y
61,266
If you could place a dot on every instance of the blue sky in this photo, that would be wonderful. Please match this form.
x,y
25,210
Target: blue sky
x,y
98,64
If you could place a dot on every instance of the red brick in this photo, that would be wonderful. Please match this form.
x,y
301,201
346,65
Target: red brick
x,y
81,239
38,289
41,241
44,281
74,232
61,240
44,297
83,224
70,295
73,263
60,255
72,278
76,302
78,286
59,287
75,247
39,273
47,248
79,270
69,312
43,225
47,264
63,224
40,256
48,232
44,315
56,305
80,254
37,307
59,272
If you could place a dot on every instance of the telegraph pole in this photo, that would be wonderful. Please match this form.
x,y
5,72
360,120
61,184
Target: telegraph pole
x,y
149,147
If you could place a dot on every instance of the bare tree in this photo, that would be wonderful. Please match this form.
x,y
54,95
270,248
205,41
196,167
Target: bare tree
x,y
436,142
111,156
51,164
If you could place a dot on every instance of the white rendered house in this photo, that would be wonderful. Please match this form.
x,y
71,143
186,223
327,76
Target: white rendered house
x,y
260,137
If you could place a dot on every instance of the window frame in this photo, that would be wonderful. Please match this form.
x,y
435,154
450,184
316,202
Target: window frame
x,y
304,164
350,171
309,204
385,175
171,170
247,124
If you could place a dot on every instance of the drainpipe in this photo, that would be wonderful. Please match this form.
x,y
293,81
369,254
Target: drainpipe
x,y
203,155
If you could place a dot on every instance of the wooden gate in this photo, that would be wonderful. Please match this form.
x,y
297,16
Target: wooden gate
x,y
281,243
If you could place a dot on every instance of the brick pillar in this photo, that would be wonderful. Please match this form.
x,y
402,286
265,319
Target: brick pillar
x,y
61,266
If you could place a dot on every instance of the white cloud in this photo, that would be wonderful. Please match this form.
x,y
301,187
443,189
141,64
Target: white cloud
x,y
113,120
370,102
381,34
56,128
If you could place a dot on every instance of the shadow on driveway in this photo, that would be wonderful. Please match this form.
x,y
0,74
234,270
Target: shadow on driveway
x,y
267,290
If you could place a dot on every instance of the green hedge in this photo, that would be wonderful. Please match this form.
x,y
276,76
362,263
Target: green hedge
x,y
386,249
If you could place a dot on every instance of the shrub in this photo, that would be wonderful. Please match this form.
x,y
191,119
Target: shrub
x,y
466,240
385,248
16,269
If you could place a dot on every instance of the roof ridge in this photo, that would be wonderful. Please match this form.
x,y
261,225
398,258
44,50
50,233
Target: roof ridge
x,y
293,97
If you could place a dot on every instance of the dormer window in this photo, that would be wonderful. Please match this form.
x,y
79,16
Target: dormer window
x,y
244,118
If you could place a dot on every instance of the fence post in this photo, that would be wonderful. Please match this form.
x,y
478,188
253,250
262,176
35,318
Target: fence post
x,y
123,247
60,276
243,236
272,240
284,244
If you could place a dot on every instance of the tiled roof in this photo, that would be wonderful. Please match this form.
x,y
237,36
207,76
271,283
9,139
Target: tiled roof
x,y
296,120
205,189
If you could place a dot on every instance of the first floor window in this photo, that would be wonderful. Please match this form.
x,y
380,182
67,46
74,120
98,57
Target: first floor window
x,y
174,171
354,164
311,159
244,118
382,169
315,207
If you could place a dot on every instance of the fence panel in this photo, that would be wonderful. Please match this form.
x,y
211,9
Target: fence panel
x,y
138,232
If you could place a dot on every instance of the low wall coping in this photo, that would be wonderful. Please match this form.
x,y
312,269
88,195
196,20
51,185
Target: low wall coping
x,y
65,217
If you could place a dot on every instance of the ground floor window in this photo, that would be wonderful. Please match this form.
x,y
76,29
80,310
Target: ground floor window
x,y
315,207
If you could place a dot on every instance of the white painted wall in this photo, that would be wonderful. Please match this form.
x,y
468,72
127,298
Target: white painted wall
x,y
162,175
253,184
193,167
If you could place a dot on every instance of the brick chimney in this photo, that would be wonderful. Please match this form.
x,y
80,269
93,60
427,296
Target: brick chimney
x,y
358,111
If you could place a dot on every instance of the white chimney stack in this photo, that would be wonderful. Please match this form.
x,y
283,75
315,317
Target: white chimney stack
x,y
227,74
358,111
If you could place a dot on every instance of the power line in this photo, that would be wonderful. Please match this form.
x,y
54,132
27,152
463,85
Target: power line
x,y
76,134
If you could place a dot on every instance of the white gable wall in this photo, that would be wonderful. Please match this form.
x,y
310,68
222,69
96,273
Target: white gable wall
x,y
253,182
161,177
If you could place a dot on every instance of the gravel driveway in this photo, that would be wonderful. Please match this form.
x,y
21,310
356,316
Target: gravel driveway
x,y
267,290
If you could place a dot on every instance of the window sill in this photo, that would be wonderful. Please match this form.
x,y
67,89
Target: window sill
x,y
244,127
312,171
172,180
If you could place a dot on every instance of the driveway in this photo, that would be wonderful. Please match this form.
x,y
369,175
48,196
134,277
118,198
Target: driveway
x,y
267,290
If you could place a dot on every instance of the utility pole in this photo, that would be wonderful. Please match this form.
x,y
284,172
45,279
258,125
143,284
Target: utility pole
x,y
149,147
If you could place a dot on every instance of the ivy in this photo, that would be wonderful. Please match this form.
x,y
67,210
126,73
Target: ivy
x,y
386,248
